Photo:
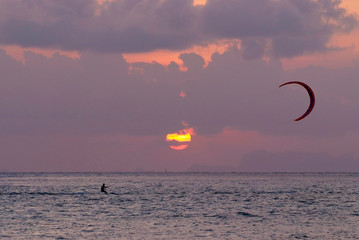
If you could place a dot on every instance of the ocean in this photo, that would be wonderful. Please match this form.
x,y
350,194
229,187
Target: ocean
x,y
179,206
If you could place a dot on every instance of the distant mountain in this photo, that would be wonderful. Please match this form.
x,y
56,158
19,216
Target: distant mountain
x,y
139,170
288,161
205,168
262,161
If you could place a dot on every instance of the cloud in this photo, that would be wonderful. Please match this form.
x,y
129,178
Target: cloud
x,y
92,95
286,28
291,28
192,61
122,26
253,48
102,94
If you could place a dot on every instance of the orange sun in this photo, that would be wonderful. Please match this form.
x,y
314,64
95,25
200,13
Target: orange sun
x,y
181,139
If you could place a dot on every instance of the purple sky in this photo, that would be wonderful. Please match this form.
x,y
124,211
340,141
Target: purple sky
x,y
102,113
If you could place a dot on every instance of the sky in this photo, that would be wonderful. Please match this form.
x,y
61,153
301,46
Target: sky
x,y
92,85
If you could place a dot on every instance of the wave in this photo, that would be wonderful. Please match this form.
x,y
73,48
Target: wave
x,y
246,214
44,193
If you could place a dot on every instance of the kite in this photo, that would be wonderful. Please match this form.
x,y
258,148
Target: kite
x,y
311,95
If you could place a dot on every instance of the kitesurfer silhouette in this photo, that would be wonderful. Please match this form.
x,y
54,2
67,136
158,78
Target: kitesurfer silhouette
x,y
103,188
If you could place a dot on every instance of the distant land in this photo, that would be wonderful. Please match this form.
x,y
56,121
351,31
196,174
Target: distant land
x,y
204,168
289,161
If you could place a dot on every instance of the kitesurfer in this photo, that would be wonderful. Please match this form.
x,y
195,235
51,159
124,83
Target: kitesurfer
x,y
103,188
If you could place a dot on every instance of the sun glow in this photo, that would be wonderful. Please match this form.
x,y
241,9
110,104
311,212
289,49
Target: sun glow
x,y
166,57
17,52
182,94
199,2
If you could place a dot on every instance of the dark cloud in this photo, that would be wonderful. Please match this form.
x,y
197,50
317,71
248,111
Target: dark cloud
x,y
253,48
288,27
192,61
120,26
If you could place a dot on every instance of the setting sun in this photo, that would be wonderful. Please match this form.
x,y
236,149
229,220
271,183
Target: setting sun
x,y
179,140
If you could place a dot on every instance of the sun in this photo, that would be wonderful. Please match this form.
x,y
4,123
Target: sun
x,y
181,139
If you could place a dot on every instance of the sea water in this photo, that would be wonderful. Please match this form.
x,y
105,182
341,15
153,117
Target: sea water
x,y
179,206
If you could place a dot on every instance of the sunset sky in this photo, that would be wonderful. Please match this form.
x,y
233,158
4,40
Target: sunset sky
x,y
97,85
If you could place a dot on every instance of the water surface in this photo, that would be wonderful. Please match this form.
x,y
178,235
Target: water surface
x,y
179,206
